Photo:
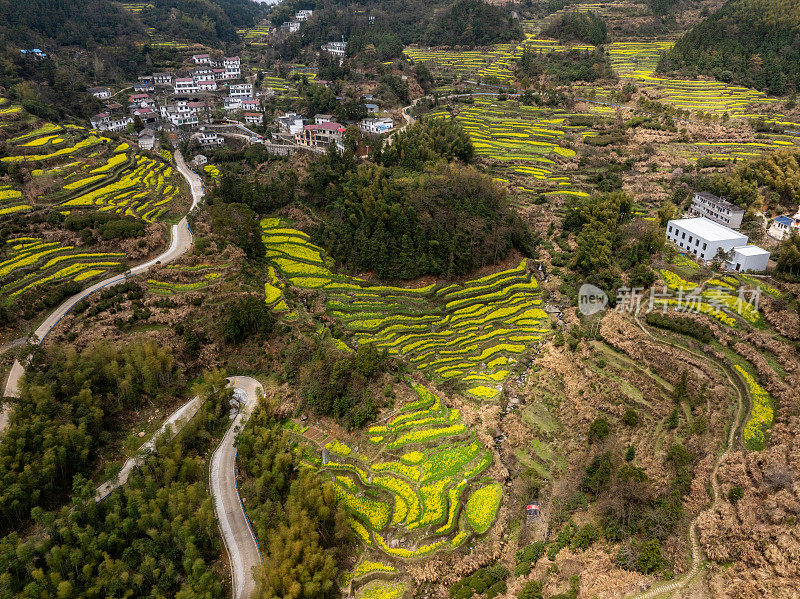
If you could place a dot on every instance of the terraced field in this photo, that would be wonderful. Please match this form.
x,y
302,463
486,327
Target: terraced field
x,y
524,140
96,172
638,60
728,300
473,331
420,492
30,263
178,278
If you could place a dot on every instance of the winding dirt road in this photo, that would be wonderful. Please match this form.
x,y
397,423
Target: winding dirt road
x,y
240,541
668,588
180,242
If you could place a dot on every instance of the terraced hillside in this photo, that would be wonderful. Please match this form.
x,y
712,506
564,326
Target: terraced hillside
x,y
78,208
472,331
525,141
416,490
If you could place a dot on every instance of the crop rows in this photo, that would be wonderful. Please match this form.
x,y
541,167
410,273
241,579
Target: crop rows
x,y
473,330
525,140
30,263
414,489
761,412
638,60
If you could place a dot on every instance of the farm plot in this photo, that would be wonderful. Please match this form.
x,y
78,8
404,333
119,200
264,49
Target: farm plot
x,y
524,140
176,278
144,188
94,174
723,300
11,201
473,331
31,264
408,500
638,60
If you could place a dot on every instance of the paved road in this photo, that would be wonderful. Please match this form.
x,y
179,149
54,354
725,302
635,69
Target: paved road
x,y
181,241
234,525
175,423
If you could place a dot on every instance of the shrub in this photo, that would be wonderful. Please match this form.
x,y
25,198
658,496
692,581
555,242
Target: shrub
x,y
630,417
531,590
598,430
735,494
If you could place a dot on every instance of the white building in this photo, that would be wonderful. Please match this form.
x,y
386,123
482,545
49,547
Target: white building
x,y
201,59
702,237
303,15
186,85
336,48
783,226
253,118
240,90
162,79
233,67
105,122
748,258
209,138
250,104
207,86
291,26
323,118
707,240
717,209
377,126
147,139
101,93
291,123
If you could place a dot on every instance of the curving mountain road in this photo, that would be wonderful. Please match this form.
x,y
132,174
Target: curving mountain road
x,y
233,521
181,241
174,423
669,588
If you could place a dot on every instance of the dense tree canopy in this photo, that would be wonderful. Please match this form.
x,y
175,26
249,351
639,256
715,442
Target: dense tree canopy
x,y
68,408
156,537
750,42
578,26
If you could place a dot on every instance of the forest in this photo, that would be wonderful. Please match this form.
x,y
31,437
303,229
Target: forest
x,y
755,43
586,27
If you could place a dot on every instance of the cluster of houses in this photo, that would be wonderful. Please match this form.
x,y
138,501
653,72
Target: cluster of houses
x,y
325,130
162,101
709,234
294,25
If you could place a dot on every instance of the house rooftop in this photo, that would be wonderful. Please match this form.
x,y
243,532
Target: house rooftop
x,y
324,127
750,250
707,229
719,201
784,220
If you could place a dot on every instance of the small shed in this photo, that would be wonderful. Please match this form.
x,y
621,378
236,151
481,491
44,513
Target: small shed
x,y
748,258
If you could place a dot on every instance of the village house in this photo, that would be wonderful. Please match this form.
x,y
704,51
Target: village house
x,y
140,100
143,88
303,15
233,67
291,123
321,134
201,59
147,139
186,85
100,92
203,74
371,108
322,118
783,226
376,126
337,49
716,209
240,90
207,86
209,138
106,122
250,104
148,116
253,118
707,240
162,78
290,26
